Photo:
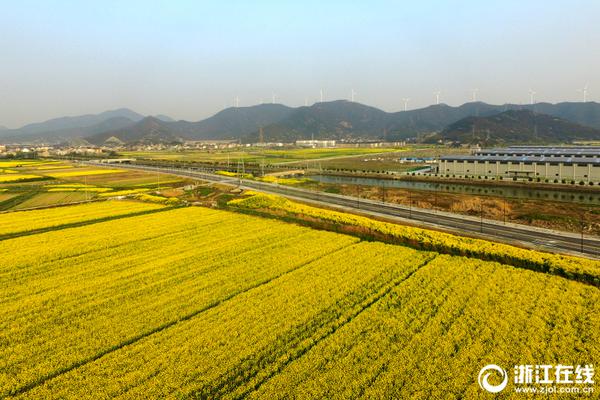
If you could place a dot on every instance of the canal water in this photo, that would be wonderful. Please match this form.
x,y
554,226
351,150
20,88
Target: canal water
x,y
489,190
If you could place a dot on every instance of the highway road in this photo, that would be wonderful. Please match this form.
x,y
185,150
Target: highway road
x,y
531,237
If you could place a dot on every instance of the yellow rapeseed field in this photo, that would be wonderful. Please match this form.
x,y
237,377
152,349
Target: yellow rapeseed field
x,y
202,303
11,178
84,172
24,221
573,267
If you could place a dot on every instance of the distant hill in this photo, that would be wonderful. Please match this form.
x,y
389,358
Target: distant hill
x,y
515,126
336,120
3,128
164,118
148,130
235,122
66,128
344,119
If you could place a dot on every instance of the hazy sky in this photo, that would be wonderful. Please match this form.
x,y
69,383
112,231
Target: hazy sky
x,y
189,59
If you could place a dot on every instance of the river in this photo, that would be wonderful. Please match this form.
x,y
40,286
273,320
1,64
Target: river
x,y
488,190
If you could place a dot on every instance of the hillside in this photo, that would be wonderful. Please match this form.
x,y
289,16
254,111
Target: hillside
x,y
148,130
339,119
235,122
72,135
65,128
515,126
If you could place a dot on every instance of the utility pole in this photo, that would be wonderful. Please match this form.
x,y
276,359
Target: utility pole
x,y
410,204
383,191
481,224
435,192
504,211
582,228
357,196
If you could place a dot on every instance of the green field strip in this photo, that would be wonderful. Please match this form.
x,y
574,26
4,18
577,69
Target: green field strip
x,y
14,201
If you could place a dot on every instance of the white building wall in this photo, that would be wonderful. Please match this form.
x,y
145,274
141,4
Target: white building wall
x,y
577,172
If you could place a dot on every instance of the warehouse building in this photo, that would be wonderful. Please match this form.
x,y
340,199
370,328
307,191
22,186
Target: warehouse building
x,y
541,151
553,168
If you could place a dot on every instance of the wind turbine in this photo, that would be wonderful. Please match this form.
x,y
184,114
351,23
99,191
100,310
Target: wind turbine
x,y
532,93
437,96
475,91
352,94
584,92
406,100
237,102
321,92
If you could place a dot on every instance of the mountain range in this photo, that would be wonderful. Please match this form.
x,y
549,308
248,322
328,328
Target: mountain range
x,y
333,120
514,126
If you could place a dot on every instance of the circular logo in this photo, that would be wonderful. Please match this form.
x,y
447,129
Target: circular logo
x,y
484,375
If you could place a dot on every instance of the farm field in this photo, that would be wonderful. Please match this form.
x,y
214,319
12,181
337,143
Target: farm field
x,y
42,183
382,162
49,199
19,222
203,303
256,155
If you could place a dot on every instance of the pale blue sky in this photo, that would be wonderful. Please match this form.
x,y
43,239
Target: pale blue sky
x,y
189,59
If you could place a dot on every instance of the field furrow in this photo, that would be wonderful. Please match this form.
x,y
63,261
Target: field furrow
x,y
203,351
139,287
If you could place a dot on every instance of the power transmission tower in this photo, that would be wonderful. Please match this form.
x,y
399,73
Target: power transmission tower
x,y
261,136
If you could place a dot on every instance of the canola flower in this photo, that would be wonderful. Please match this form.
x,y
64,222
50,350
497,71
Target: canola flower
x,y
85,172
11,178
157,199
234,174
451,318
283,181
21,163
202,303
567,266
129,276
24,221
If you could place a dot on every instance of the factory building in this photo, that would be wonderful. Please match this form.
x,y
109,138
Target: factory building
x,y
315,143
541,151
542,164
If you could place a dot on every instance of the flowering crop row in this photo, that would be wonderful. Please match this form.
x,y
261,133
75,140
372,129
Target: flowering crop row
x,y
433,333
70,296
84,172
228,349
11,178
571,267
25,221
